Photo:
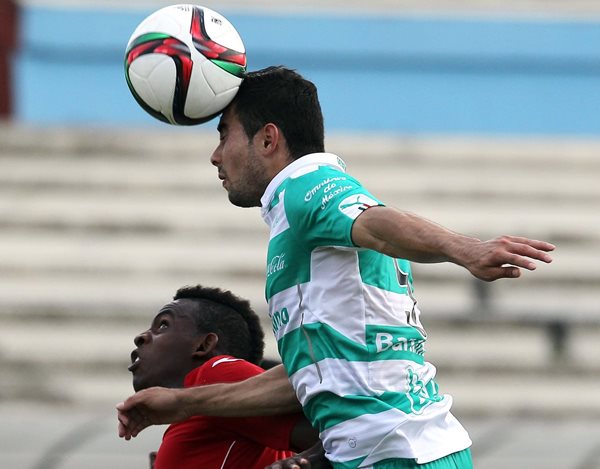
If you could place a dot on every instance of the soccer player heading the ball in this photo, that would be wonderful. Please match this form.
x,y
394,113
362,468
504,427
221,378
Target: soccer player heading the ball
x,y
340,292
207,335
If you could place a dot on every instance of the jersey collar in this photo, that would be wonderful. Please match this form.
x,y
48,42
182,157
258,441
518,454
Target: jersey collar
x,y
297,167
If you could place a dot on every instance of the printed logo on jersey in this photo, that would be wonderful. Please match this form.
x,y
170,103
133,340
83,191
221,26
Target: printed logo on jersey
x,y
225,360
326,186
279,318
356,204
276,264
420,394
386,341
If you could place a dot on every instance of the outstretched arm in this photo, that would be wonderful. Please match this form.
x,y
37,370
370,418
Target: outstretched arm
x,y
405,235
269,393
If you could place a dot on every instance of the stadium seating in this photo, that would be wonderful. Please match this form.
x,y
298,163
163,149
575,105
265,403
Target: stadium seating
x,y
100,227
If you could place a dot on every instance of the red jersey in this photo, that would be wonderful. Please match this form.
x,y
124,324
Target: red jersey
x,y
225,442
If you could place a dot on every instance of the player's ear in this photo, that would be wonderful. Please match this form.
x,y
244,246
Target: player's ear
x,y
206,345
270,137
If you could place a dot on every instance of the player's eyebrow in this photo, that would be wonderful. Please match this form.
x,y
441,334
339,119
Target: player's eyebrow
x,y
164,312
221,127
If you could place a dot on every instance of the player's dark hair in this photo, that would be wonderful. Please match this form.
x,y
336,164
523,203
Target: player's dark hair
x,y
283,97
231,318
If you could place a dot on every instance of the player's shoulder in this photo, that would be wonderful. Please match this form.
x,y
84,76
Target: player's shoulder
x,y
313,184
223,368
228,361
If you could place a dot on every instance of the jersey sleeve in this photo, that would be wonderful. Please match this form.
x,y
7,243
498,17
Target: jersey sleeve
x,y
321,207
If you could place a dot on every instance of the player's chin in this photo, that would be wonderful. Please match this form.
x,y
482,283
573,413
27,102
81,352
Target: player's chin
x,y
242,200
139,383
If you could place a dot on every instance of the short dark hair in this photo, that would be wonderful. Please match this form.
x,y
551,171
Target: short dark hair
x,y
283,97
231,318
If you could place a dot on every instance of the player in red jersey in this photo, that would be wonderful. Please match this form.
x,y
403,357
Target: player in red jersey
x,y
205,336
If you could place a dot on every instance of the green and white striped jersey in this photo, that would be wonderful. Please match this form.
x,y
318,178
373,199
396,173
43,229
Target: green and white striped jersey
x,y
347,324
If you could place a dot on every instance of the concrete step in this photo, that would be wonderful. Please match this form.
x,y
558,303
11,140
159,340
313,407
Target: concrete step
x,y
88,366
181,144
159,214
432,174
106,344
116,173
37,435
116,295
99,228
233,252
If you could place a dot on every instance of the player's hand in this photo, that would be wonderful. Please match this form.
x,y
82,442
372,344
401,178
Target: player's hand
x,y
152,406
504,257
300,462
312,458
295,462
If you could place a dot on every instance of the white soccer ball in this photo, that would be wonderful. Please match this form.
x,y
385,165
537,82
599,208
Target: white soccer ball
x,y
184,64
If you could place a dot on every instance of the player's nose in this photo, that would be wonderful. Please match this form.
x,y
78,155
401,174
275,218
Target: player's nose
x,y
141,339
215,158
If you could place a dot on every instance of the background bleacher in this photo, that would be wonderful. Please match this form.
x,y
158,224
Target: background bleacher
x,y
99,228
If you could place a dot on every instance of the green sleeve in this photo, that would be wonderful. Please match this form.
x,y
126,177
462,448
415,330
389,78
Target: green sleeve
x,y
321,207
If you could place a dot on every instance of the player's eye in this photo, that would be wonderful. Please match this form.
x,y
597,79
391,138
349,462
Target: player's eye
x,y
163,324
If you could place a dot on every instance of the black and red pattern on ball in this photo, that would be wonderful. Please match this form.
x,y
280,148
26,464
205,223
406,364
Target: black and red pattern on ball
x,y
213,51
158,43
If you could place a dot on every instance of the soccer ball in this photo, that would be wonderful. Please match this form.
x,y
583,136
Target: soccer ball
x,y
184,64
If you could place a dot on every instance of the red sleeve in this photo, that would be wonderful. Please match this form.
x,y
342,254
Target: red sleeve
x,y
272,431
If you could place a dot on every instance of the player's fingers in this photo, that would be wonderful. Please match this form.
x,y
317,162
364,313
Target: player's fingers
x,y
300,463
510,272
523,255
122,430
490,274
123,427
139,422
291,463
506,252
129,422
123,418
532,248
135,431
536,243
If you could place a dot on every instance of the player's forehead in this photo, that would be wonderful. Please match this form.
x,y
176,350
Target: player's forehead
x,y
229,119
182,309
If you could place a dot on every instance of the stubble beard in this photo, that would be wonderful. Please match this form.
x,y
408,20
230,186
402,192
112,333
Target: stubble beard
x,y
243,200
250,188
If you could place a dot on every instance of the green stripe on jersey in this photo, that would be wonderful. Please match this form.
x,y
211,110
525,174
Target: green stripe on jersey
x,y
314,342
319,408
418,395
